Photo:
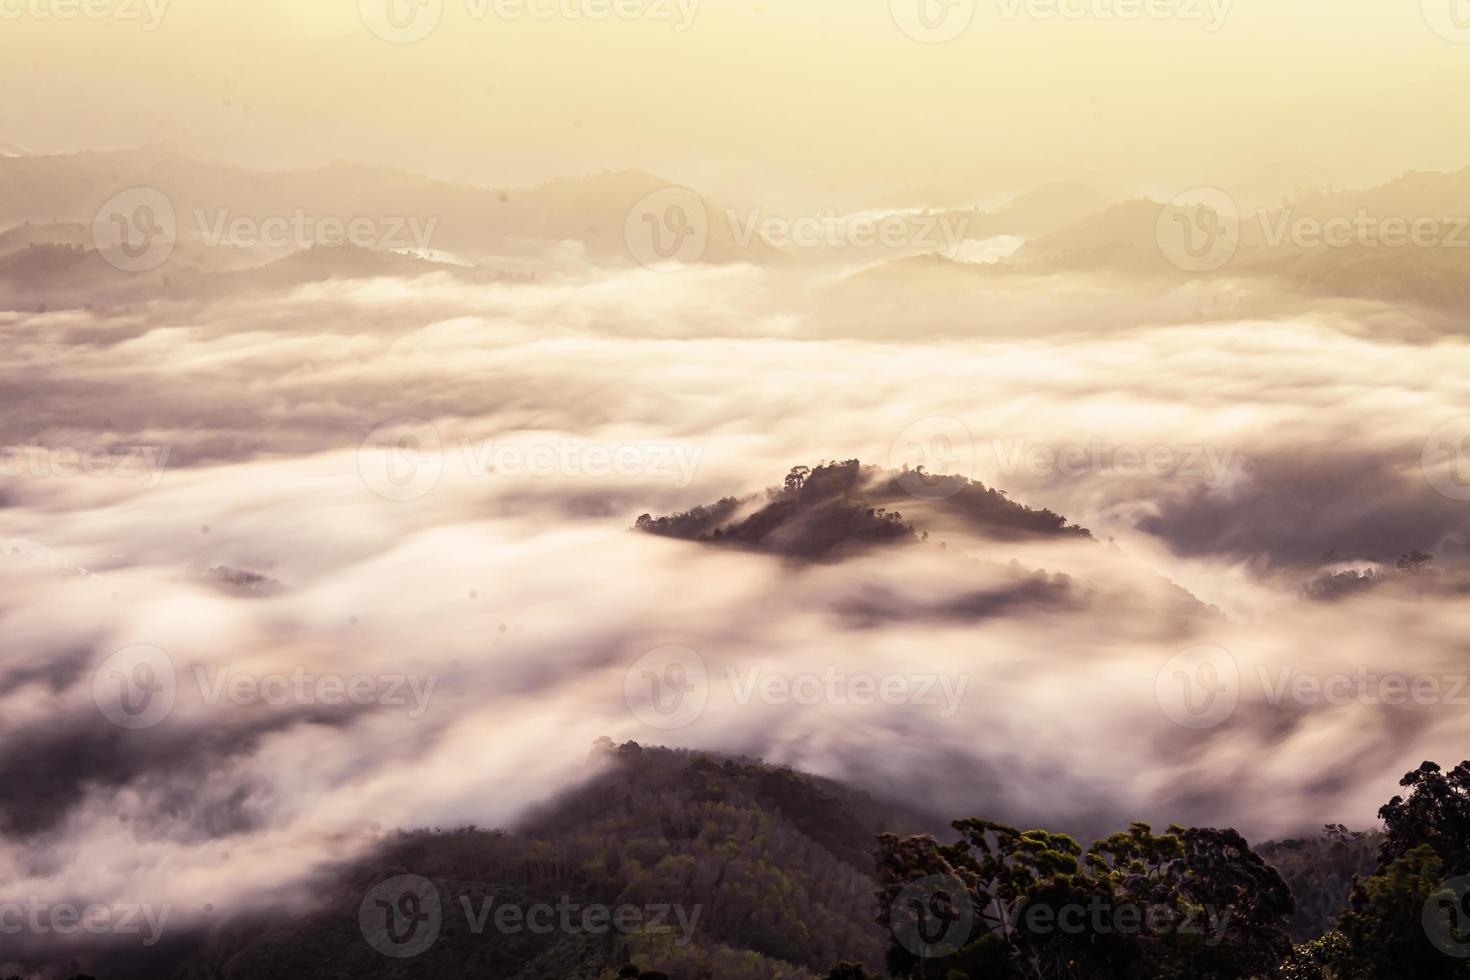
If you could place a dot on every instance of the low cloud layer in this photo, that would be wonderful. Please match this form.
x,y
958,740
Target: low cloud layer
x,y
441,643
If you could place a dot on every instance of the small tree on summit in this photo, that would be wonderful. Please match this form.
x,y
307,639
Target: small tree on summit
x,y
1415,561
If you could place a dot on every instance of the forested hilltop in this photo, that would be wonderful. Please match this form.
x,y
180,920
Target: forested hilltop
x,y
834,509
687,866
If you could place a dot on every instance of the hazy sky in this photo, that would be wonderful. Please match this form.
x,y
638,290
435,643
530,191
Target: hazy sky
x,y
267,543
765,98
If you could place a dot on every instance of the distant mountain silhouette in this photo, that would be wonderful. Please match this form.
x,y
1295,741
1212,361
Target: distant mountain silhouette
x,y
476,221
61,276
1123,238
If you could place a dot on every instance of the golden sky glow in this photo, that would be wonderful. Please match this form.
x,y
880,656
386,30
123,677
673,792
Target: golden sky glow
x,y
760,99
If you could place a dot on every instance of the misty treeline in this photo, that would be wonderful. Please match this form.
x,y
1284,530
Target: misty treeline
x,y
1190,903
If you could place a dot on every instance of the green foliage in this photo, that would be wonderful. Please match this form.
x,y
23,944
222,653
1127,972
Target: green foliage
x,y
1317,959
690,523
776,865
1385,927
1194,903
1405,920
831,509
1436,813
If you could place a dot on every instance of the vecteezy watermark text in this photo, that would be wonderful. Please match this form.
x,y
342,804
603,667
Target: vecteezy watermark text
x,y
832,230
671,229
138,229
138,686
302,687
301,229
1202,230
143,463
35,917
404,459
1363,229
1211,465
941,21
937,456
1212,14
669,688
403,917
408,21
148,13
935,916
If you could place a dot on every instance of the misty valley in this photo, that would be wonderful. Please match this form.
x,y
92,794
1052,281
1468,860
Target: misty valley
x,y
828,490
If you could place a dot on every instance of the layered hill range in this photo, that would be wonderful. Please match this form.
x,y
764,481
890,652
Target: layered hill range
x,y
48,205
1358,244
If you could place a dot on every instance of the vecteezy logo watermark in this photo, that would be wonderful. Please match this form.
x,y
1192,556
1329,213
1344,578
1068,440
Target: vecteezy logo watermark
x,y
669,688
147,12
143,463
401,917
831,230
401,21
1198,688
299,687
668,229
403,459
137,688
1211,13
37,918
1450,19
1446,918
932,917
1199,230
571,918
407,21
933,21
1446,459
302,230
1210,465
936,457
136,230
839,688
